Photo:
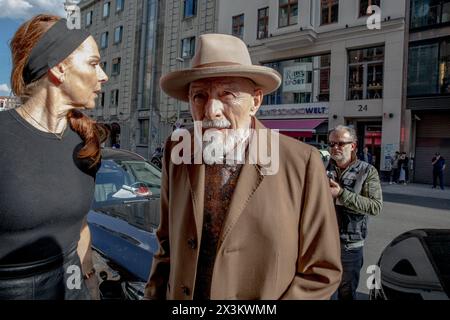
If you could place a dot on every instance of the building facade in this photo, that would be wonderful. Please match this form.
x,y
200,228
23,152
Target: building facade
x,y
127,35
3,102
184,20
337,66
428,85
10,102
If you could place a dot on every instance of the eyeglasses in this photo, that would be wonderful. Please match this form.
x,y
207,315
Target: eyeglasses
x,y
340,144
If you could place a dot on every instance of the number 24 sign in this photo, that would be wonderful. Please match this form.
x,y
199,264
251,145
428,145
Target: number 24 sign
x,y
362,108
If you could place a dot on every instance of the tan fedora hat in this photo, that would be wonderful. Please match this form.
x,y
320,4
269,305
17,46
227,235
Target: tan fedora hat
x,y
219,55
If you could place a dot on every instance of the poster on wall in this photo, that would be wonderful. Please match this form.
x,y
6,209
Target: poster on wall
x,y
388,152
295,78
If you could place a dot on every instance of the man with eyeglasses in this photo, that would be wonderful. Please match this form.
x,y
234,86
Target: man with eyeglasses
x,y
356,189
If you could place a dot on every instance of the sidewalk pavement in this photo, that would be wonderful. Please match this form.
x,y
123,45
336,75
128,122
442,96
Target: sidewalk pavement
x,y
416,190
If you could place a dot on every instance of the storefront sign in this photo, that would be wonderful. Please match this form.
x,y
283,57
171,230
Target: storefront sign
x,y
144,114
313,110
305,110
295,78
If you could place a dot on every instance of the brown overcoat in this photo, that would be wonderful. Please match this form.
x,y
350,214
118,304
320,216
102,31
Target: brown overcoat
x,y
279,240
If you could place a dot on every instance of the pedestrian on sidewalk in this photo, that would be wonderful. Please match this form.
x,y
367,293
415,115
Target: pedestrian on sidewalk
x,y
406,165
355,186
394,168
438,163
403,168
366,156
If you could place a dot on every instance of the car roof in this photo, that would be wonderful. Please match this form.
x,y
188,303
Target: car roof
x,y
119,154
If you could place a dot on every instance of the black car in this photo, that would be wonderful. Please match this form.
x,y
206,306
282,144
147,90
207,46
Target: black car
x,y
415,266
123,219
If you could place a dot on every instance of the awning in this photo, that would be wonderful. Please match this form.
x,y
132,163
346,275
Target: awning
x,y
295,128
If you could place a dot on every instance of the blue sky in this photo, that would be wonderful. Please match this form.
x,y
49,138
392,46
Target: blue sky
x,y
12,14
7,29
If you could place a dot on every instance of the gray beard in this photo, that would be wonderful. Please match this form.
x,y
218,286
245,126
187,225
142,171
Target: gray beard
x,y
341,158
226,148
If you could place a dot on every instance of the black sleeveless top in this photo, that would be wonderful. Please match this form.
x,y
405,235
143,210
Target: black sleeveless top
x,y
45,191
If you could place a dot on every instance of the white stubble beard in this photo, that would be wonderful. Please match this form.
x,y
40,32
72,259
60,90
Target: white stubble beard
x,y
229,143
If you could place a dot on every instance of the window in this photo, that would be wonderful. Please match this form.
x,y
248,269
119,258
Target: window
x,y
118,34
429,68
190,8
103,65
104,40
324,78
365,75
106,9
143,131
423,69
445,16
115,98
263,23
115,70
238,26
330,11
429,13
287,13
444,67
304,80
89,18
101,100
187,47
120,4
364,4
120,180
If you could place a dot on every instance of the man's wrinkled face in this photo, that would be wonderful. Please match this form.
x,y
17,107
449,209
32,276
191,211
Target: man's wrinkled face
x,y
225,105
228,102
341,146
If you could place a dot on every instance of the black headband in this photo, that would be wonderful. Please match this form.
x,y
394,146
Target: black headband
x,y
54,46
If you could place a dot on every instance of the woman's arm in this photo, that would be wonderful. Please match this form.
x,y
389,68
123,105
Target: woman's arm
x,y
87,266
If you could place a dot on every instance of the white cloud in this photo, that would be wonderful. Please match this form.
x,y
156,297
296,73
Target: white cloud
x,y
24,9
4,89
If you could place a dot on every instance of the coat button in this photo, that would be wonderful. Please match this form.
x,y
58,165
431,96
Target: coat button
x,y
185,290
192,243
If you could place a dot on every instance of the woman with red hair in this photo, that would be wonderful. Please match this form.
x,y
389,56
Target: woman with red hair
x,y
50,153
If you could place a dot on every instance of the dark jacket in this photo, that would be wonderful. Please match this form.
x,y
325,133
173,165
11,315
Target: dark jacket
x,y
361,197
439,165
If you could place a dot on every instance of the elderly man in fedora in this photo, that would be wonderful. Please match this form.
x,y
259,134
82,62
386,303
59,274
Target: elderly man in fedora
x,y
227,230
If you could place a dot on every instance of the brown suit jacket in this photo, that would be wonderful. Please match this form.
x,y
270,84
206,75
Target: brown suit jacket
x,y
279,241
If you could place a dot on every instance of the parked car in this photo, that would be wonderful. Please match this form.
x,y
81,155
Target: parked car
x,y
415,266
123,220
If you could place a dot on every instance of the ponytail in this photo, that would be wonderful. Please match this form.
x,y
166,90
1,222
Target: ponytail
x,y
92,133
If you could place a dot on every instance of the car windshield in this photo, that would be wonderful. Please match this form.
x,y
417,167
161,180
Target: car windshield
x,y
123,180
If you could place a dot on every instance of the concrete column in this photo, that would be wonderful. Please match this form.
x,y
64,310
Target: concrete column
x,y
338,85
